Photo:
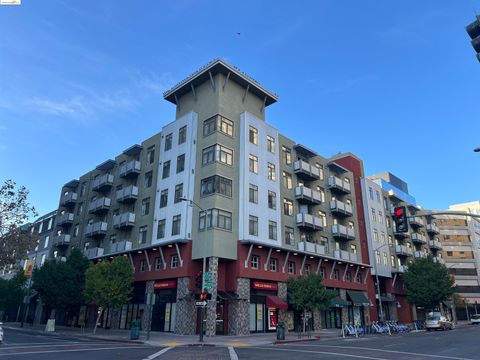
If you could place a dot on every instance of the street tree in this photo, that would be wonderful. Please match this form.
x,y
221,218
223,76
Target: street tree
x,y
307,293
428,283
60,284
108,284
12,292
15,211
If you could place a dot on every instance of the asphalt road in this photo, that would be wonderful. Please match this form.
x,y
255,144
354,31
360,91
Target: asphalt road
x,y
23,345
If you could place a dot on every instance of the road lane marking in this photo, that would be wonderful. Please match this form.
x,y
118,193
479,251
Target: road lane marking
x,y
387,351
17,345
72,350
158,353
233,354
319,352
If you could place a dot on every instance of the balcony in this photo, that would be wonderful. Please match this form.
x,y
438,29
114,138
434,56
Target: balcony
x,y
309,222
345,255
94,252
435,244
308,196
102,182
419,238
124,221
99,205
416,221
65,219
69,199
334,183
402,250
61,240
96,229
127,195
305,171
343,232
340,208
433,229
400,269
130,169
121,246
438,259
419,255
401,235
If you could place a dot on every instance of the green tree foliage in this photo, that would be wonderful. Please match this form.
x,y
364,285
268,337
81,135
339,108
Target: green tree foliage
x,y
15,211
60,284
12,291
307,293
109,284
428,283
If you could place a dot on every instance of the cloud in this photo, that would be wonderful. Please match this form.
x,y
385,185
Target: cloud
x,y
73,107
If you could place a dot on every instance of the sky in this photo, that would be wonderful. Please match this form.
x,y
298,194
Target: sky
x,y
394,82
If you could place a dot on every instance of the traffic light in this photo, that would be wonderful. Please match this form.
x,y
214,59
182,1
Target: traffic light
x,y
400,219
198,280
473,31
203,296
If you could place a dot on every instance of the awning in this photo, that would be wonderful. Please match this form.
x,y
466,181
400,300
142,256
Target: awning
x,y
358,298
227,295
338,302
276,302
448,304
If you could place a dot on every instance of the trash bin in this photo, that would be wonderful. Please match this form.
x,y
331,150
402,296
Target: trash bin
x,y
281,331
135,330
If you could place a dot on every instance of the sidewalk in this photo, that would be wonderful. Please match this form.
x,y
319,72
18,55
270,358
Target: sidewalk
x,y
169,339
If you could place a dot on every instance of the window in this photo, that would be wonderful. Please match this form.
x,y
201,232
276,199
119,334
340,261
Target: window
x,y
353,248
148,179
168,142
50,221
358,278
370,192
253,135
158,263
161,229
322,272
385,203
225,155
174,261
178,193
286,155
151,154
164,198
374,215
270,144
145,206
75,231
82,189
180,163
253,194
348,276
322,193
320,171
253,225
291,267
377,195
287,180
44,257
287,207
323,216
392,260
218,153
255,262
215,218
166,169
273,265
390,240
289,239
182,135
377,257
271,171
216,184
272,230
380,217
80,208
47,239
142,235
176,225
253,164
388,222
336,275
308,269
272,200
221,123
385,259
382,238
375,235
143,265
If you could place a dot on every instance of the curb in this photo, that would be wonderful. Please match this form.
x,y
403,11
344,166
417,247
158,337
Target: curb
x,y
127,341
315,338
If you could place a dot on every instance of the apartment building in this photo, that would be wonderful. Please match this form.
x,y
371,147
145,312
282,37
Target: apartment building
x,y
221,185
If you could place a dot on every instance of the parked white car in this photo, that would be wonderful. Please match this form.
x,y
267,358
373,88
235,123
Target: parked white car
x,y
475,319
1,333
436,321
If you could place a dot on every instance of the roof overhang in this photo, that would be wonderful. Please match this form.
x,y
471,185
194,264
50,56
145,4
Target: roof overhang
x,y
305,151
337,167
211,69
72,184
106,165
133,150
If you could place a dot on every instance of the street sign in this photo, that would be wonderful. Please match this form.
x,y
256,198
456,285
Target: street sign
x,y
207,276
201,303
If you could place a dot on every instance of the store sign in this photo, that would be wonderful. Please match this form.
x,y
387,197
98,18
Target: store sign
x,y
264,286
168,284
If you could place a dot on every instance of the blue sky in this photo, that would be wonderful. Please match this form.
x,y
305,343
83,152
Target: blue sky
x,y
395,82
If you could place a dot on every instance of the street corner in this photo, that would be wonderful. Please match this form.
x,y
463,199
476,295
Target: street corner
x,y
237,344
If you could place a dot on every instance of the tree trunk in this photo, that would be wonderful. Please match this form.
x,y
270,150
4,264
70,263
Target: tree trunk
x,y
304,320
100,312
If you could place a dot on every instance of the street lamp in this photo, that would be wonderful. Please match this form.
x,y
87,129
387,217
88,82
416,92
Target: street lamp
x,y
204,265
378,282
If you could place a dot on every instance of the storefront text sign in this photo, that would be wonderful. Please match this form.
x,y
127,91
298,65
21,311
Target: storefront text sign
x,y
168,284
264,286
